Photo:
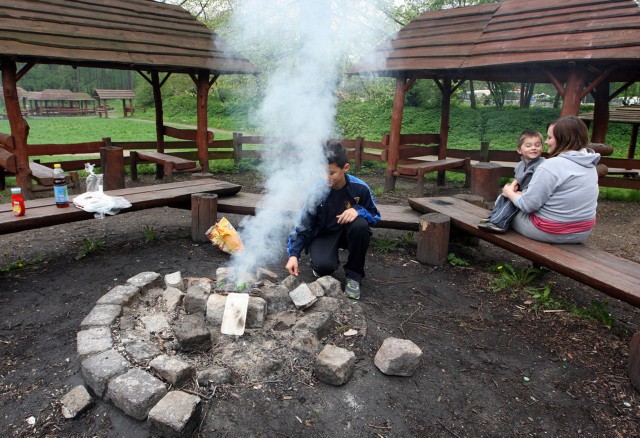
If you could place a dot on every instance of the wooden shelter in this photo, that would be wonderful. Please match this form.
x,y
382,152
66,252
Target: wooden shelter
x,y
49,102
149,37
580,46
102,96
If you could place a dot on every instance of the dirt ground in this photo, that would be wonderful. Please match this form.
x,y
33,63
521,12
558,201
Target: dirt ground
x,y
493,364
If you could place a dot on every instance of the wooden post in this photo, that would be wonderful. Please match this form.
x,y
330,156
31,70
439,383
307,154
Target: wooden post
x,y
237,147
393,154
633,364
444,127
484,151
112,166
573,92
202,133
204,214
485,180
124,107
157,101
633,141
19,127
433,239
600,113
358,152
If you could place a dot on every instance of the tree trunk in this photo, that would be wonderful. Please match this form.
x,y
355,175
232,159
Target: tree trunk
x,y
472,95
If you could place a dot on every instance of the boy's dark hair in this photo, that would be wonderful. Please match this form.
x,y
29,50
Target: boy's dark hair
x,y
336,154
527,134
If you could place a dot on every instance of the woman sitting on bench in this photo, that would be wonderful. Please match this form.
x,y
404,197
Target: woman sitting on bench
x,y
559,205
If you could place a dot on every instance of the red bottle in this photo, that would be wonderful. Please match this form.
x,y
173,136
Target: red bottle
x,y
17,202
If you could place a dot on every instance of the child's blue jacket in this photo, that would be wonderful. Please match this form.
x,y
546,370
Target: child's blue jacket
x,y
313,218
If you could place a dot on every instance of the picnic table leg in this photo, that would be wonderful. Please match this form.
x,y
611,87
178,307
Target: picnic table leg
x,y
168,171
633,365
133,165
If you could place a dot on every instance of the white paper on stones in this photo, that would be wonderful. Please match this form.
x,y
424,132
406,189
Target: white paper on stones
x,y
235,314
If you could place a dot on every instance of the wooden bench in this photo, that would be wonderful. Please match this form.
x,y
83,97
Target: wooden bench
x,y
603,271
43,176
414,161
397,217
170,164
43,212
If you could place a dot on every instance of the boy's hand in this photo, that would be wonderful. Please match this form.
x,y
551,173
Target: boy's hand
x,y
347,216
292,266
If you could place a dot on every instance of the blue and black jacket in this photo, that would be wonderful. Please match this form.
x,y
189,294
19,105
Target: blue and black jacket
x,y
313,218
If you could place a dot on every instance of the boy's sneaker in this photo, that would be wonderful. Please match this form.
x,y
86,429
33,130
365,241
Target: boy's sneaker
x,y
352,289
484,221
492,228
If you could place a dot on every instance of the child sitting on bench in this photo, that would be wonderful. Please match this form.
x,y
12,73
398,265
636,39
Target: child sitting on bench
x,y
530,149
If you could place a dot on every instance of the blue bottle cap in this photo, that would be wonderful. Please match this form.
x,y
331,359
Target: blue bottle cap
x,y
15,190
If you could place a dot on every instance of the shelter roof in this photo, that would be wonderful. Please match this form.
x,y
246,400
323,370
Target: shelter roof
x,y
511,40
114,94
124,34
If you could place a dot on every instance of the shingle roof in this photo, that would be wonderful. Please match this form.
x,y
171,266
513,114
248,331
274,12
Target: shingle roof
x,y
114,94
510,40
115,33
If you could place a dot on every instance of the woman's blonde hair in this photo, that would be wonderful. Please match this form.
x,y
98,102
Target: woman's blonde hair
x,y
571,134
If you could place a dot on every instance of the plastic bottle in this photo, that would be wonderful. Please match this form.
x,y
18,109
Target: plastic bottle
x,y
17,202
60,187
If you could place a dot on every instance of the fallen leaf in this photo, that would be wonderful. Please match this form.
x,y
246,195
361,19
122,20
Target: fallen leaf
x,y
350,332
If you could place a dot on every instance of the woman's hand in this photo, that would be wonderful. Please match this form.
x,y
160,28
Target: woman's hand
x,y
292,266
510,190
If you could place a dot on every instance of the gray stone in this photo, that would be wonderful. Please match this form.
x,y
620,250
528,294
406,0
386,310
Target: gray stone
x,y
94,340
224,274
305,343
331,286
398,357
195,301
204,283
136,392
174,280
256,312
127,322
291,282
173,370
284,321
302,297
101,315
265,274
146,280
316,289
277,298
329,303
318,323
142,351
76,402
100,368
155,323
178,414
214,376
120,295
335,365
192,333
215,309
172,298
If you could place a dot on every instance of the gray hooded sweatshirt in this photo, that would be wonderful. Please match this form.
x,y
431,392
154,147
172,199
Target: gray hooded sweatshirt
x,y
563,188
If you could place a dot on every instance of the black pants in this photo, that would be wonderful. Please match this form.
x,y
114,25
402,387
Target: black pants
x,y
354,237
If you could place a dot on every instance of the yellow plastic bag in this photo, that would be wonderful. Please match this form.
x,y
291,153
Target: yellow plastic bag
x,y
225,237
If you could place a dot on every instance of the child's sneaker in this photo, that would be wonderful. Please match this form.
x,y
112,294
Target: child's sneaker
x,y
352,289
492,228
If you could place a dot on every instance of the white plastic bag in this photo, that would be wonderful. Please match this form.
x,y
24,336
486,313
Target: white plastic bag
x,y
100,204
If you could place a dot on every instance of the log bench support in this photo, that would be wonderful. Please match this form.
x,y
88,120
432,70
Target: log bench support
x,y
485,180
433,239
169,163
204,214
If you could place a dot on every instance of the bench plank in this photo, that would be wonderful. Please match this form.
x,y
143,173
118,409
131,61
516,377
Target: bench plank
x,y
603,271
43,212
160,158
